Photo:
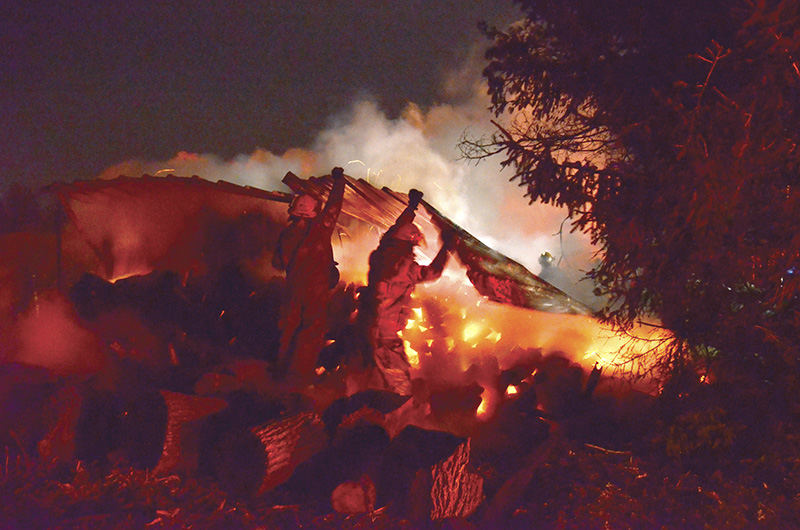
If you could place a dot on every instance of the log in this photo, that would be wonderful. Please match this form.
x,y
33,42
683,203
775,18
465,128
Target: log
x,y
288,443
381,402
354,496
255,460
140,428
185,418
456,491
96,425
355,452
29,405
81,423
511,492
58,446
425,475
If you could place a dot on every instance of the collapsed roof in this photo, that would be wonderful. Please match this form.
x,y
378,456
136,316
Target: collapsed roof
x,y
128,225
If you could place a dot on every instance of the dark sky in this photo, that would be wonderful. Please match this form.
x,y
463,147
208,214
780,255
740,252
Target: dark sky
x,y
86,86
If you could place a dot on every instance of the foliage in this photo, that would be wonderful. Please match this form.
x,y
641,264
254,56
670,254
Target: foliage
x,y
699,434
669,132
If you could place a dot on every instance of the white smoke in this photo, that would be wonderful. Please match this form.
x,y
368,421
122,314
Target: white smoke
x,y
420,150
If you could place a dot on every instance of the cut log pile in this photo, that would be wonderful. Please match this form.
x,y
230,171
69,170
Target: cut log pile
x,y
278,451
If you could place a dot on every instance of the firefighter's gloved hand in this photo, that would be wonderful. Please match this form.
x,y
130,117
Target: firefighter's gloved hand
x,y
448,238
337,173
414,196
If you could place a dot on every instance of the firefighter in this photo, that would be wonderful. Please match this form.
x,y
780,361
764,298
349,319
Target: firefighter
x,y
384,306
304,251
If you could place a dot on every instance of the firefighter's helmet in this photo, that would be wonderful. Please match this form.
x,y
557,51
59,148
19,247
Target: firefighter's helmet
x,y
410,232
304,206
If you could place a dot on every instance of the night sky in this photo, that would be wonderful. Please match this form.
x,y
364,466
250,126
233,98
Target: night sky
x,y
87,86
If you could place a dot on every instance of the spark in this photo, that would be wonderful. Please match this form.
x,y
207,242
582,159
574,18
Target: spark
x,y
173,355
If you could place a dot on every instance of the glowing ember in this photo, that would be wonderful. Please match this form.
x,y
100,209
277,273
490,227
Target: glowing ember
x,y
472,331
411,353
483,408
511,390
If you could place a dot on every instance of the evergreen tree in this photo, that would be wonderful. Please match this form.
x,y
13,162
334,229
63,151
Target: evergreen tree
x,y
670,132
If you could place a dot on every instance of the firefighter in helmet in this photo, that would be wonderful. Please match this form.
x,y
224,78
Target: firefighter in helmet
x,y
304,251
384,306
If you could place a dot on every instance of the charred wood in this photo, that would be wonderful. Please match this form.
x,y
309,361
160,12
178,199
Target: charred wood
x,y
353,456
253,461
405,479
380,401
455,491
185,417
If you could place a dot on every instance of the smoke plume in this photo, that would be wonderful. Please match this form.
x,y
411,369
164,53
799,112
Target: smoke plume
x,y
418,149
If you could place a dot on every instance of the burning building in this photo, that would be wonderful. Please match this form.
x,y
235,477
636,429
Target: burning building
x,y
159,293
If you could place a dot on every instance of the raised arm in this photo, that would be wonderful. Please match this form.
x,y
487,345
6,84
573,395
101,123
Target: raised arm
x,y
434,270
330,213
407,217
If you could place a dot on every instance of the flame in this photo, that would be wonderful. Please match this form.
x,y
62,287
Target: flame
x,y
411,354
140,271
472,331
613,349
483,409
